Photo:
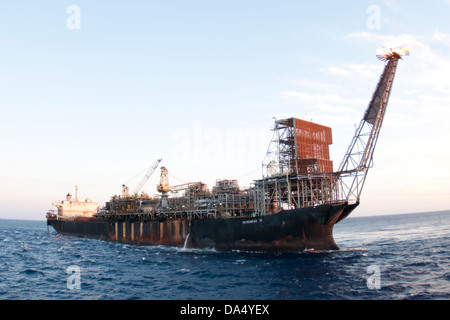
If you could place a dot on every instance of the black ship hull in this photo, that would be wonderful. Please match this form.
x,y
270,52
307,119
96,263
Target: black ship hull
x,y
287,231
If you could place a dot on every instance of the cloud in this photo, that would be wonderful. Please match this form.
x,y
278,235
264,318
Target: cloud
x,y
355,70
377,39
336,71
442,38
331,108
314,99
391,4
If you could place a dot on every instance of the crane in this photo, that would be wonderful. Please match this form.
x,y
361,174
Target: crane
x,y
164,187
146,177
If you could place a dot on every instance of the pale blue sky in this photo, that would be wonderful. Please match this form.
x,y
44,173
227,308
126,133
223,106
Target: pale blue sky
x,y
197,84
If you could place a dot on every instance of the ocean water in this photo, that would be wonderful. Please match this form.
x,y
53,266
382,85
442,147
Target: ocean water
x,y
381,258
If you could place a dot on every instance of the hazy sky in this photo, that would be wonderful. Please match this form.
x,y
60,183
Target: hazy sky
x,y
93,92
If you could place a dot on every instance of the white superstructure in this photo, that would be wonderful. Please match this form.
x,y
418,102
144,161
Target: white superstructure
x,y
71,209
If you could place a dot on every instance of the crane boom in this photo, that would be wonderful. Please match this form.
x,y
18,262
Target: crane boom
x,y
147,176
185,186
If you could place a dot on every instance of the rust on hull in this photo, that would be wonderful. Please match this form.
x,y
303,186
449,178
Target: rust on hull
x,y
170,233
289,231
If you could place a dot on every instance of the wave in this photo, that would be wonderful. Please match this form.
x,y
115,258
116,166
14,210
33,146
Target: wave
x,y
32,272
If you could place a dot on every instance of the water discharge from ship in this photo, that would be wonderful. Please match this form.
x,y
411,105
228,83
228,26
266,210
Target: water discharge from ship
x,y
186,241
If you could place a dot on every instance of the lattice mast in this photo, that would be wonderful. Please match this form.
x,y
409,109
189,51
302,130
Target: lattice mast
x,y
359,156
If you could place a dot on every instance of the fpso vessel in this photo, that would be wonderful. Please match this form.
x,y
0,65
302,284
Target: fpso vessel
x,y
293,207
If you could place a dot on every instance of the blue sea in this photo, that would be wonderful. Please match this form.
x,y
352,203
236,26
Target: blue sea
x,y
381,258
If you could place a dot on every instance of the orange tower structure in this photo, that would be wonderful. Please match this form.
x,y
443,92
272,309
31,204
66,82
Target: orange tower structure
x,y
301,147
312,145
